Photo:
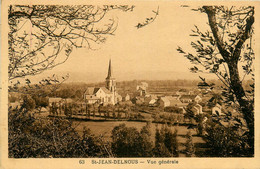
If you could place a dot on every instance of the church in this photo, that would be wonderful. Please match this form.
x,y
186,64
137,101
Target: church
x,y
103,95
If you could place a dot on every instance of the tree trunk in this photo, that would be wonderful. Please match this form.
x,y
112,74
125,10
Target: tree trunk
x,y
246,107
236,87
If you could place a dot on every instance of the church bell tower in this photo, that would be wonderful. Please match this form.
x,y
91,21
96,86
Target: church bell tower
x,y
110,81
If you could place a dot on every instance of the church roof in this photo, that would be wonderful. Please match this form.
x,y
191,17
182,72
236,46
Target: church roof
x,y
91,90
94,90
106,90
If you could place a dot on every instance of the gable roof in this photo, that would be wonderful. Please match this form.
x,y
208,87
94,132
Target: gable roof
x,y
173,101
94,90
91,90
106,90
165,99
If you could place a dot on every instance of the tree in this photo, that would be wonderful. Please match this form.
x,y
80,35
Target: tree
x,y
190,150
40,101
145,143
43,36
223,50
124,141
226,141
166,143
129,142
28,102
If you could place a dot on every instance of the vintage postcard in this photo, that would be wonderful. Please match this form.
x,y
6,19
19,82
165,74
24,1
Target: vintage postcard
x,y
136,84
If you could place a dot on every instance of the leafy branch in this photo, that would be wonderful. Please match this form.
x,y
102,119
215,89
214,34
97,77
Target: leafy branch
x,y
148,20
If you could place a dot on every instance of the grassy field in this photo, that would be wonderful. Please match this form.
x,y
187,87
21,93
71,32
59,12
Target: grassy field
x,y
105,128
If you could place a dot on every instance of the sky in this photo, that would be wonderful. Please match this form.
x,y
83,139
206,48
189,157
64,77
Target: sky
x,y
147,53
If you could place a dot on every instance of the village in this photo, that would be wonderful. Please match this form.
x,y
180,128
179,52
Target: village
x,y
108,103
101,108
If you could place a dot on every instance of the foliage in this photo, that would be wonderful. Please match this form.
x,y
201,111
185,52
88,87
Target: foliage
x,y
28,102
129,142
173,109
190,150
148,20
33,137
223,51
145,143
40,101
230,140
166,143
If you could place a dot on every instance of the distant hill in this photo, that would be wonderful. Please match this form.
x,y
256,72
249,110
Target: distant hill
x,y
89,77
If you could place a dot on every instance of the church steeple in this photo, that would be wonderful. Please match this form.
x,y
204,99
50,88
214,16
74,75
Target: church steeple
x,y
109,74
110,81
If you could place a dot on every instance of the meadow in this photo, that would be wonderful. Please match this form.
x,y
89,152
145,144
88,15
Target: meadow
x,y
105,128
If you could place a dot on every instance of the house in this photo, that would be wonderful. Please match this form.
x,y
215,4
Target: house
x,y
119,98
151,100
198,109
55,100
142,89
143,86
164,102
168,101
138,100
216,110
190,98
176,96
125,97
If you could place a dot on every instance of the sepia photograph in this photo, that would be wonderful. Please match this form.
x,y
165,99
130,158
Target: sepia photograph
x,y
129,81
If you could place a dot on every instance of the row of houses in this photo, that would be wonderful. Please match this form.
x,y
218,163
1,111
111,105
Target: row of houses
x,y
181,99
